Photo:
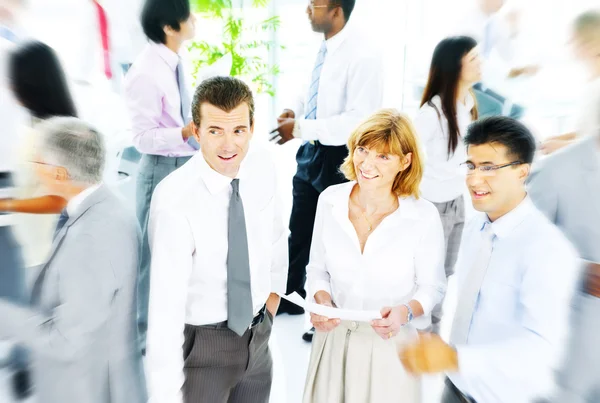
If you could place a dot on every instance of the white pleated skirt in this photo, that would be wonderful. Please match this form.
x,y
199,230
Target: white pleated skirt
x,y
352,364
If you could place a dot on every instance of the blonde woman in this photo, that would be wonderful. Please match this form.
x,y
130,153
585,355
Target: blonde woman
x,y
376,246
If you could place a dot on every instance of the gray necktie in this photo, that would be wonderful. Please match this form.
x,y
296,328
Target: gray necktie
x,y
185,101
239,294
470,291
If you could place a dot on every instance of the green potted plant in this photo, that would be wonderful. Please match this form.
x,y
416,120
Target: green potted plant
x,y
246,39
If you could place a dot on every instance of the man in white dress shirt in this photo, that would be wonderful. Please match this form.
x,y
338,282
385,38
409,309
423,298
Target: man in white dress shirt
x,y
346,87
219,256
516,276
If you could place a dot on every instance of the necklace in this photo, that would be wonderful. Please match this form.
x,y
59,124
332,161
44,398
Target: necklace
x,y
382,216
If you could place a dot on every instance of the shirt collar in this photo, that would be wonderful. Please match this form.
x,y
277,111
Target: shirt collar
x,y
214,181
504,225
170,57
336,41
76,201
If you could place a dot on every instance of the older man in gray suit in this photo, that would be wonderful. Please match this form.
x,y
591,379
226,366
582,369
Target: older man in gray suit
x,y
566,187
81,324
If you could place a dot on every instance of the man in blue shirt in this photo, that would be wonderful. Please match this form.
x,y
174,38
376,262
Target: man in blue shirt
x,y
516,276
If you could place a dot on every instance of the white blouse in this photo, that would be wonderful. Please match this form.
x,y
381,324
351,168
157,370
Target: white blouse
x,y
403,257
442,179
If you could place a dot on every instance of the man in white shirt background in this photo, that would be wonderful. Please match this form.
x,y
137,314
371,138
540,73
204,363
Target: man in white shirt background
x,y
516,276
497,31
219,256
346,87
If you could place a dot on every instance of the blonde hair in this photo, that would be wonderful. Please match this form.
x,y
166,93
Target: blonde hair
x,y
392,132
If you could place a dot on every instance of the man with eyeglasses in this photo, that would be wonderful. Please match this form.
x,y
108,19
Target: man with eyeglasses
x,y
346,86
516,275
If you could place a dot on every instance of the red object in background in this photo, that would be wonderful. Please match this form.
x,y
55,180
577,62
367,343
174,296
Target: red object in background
x,y
103,23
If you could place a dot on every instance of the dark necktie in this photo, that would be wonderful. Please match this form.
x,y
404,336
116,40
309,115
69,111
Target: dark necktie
x,y
62,220
239,293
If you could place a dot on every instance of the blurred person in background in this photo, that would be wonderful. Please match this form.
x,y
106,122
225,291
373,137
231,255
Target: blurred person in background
x,y
586,46
12,276
376,246
81,323
158,100
448,107
346,86
566,188
39,85
496,32
516,276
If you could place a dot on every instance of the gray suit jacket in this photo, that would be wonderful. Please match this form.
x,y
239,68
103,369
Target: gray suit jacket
x,y
81,328
566,187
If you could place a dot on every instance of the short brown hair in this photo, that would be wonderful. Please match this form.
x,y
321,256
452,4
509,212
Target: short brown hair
x,y
226,93
391,132
587,25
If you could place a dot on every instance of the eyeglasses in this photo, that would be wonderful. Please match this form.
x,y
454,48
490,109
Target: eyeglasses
x,y
311,5
485,170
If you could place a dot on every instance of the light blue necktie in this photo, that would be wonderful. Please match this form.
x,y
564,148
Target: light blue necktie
x,y
487,39
313,92
8,34
185,102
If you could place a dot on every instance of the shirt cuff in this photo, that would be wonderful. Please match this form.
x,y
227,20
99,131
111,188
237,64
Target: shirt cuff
x,y
427,303
174,136
315,287
297,133
278,283
307,129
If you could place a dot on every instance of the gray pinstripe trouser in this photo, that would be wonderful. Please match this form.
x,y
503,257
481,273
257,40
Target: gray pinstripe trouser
x,y
222,367
452,214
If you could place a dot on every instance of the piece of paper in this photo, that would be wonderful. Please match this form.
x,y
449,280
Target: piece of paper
x,y
332,313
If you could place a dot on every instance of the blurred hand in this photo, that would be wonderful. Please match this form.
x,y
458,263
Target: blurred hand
x,y
287,114
592,281
552,145
187,131
323,323
523,71
429,355
393,319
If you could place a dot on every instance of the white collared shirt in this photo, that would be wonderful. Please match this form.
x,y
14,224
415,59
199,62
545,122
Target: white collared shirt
x,y
521,316
350,89
403,258
78,200
188,240
442,179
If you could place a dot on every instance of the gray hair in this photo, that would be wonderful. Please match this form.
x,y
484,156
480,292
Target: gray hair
x,y
78,147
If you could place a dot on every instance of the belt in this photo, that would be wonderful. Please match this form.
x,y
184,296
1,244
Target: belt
x,y
461,396
257,320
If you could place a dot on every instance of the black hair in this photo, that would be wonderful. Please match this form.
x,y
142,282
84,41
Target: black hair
x,y
38,81
157,14
346,5
510,133
444,77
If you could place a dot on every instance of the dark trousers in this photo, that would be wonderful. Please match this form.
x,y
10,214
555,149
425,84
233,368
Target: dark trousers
x,y
222,367
453,395
152,170
318,168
